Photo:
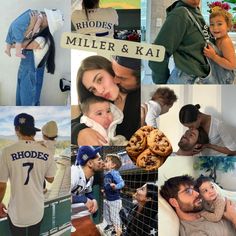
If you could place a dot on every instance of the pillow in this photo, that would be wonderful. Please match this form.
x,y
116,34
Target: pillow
x,y
168,221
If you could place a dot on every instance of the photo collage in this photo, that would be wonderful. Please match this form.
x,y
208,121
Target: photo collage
x,y
118,118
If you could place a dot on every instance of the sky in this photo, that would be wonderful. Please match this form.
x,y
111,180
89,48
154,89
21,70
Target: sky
x,y
41,114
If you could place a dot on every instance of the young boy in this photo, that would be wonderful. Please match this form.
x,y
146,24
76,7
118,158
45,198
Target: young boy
x,y
102,116
161,101
49,132
214,204
28,24
113,182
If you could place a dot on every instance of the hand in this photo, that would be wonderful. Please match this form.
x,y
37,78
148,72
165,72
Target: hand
x,y
89,204
95,206
3,210
209,52
113,186
89,136
230,212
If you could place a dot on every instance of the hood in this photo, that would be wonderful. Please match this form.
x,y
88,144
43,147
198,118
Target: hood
x,y
176,4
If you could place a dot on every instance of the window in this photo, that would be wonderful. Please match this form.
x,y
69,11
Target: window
x,y
205,13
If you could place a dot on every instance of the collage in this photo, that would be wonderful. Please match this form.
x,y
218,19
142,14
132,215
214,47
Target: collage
x,y
118,118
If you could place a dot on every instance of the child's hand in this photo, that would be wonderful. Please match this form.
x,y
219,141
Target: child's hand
x,y
113,186
209,52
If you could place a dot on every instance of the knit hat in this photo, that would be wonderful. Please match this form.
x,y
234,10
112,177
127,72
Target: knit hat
x,y
86,153
55,19
50,129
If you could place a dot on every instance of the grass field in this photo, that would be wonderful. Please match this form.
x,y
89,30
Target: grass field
x,y
121,4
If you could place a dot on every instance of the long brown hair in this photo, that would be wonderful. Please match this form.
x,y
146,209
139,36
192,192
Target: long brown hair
x,y
91,63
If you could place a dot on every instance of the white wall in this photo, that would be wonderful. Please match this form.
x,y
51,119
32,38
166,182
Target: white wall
x,y
174,166
218,101
51,94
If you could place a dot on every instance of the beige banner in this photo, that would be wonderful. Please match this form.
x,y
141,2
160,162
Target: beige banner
x,y
107,46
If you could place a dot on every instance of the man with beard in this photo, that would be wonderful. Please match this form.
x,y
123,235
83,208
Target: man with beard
x,y
180,194
192,142
195,140
88,162
127,77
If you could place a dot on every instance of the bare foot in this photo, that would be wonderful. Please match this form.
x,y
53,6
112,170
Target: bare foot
x,y
8,52
20,55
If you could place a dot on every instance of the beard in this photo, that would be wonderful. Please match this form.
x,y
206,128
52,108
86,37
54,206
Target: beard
x,y
124,90
190,207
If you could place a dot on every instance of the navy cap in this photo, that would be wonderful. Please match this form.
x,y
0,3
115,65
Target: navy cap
x,y
25,120
86,153
131,63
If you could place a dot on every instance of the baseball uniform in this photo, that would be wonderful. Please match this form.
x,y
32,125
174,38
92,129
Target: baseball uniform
x,y
26,163
100,21
80,187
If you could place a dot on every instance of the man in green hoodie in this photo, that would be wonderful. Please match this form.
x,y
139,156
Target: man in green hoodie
x,y
181,38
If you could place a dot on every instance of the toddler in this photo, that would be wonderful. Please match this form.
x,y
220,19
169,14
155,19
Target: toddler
x,y
162,100
49,132
113,182
102,116
224,54
28,24
213,203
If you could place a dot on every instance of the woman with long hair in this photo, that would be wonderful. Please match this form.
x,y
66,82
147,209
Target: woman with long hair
x,y
96,77
220,139
142,218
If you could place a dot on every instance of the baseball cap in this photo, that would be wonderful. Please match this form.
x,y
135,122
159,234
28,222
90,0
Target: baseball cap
x,y
25,120
131,63
50,129
55,19
86,153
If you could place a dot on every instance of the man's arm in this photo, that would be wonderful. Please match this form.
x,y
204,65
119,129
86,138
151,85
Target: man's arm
x,y
171,40
3,187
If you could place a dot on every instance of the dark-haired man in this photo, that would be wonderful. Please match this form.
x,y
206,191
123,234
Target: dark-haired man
x,y
127,76
192,142
180,194
26,164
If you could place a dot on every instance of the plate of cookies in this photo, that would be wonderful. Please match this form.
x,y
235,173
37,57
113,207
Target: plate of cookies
x,y
148,148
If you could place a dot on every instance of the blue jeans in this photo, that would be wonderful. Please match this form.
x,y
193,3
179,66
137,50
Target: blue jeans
x,y
18,27
179,77
29,81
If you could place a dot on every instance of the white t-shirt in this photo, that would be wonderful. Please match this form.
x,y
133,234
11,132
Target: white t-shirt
x,y
26,164
79,186
40,52
218,135
153,112
100,21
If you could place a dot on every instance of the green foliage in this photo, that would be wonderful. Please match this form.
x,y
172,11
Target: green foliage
x,y
211,164
230,1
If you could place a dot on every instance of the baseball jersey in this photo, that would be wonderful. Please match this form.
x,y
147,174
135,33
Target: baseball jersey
x,y
26,164
100,21
79,186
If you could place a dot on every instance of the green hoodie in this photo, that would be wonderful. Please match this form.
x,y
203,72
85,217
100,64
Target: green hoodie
x,y
182,39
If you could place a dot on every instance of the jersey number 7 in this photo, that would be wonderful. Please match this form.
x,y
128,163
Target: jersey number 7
x,y
30,165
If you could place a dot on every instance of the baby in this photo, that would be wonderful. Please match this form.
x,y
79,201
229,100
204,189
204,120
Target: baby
x,y
162,100
49,132
102,116
28,24
213,203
